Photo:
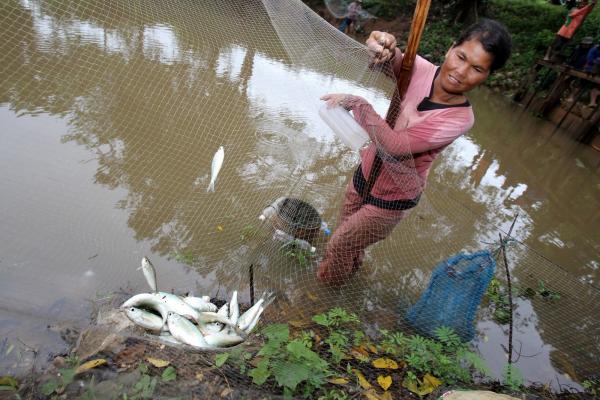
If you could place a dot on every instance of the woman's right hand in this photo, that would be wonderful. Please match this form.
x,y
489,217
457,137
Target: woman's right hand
x,y
382,46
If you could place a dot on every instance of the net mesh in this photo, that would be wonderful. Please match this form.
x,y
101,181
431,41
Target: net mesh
x,y
150,90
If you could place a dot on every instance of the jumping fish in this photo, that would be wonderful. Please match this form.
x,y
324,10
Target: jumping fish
x,y
184,330
149,273
234,309
217,163
145,319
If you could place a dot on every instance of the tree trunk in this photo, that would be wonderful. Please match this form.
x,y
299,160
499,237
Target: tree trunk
x,y
467,11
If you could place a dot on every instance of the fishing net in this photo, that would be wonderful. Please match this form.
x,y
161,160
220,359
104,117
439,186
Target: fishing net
x,y
113,112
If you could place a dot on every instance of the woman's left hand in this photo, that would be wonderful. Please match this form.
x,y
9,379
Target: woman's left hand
x,y
336,99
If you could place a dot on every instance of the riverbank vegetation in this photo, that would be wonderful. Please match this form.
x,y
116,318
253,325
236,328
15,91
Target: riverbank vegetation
x,y
532,23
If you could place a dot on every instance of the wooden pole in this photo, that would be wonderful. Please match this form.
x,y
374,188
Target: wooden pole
x,y
408,61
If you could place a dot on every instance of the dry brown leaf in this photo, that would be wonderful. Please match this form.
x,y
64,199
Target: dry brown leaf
x,y
157,362
130,355
384,381
387,396
311,296
299,323
359,355
226,392
362,381
199,376
372,348
89,365
432,380
338,381
386,363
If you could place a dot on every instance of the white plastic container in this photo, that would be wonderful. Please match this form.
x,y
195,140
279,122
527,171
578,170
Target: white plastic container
x,y
271,209
286,238
344,126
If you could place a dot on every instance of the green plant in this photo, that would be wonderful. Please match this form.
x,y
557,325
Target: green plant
x,y
292,250
65,377
248,231
334,394
184,256
591,386
337,321
290,363
512,377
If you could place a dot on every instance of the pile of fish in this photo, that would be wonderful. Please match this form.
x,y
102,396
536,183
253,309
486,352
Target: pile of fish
x,y
194,321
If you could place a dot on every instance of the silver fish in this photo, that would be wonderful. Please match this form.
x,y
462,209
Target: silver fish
x,y
224,311
247,318
145,319
206,298
217,163
176,304
168,338
184,330
200,304
255,320
222,339
211,327
149,273
234,309
148,300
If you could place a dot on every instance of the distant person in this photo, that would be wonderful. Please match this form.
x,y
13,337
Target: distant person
x,y
592,67
435,112
351,17
578,59
574,20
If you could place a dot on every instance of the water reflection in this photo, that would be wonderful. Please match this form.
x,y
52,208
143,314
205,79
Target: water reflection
x,y
122,111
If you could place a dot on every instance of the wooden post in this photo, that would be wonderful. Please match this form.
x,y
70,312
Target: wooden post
x,y
408,60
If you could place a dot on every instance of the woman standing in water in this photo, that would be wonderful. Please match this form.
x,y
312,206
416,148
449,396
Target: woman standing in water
x,y
435,111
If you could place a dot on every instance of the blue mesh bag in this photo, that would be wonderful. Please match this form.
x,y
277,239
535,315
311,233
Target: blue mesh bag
x,y
453,295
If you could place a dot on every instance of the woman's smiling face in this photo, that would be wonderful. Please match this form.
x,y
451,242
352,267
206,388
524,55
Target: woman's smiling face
x,y
465,67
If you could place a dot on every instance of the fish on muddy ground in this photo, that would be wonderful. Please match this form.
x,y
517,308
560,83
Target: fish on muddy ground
x,y
185,331
145,319
162,303
223,339
149,273
217,163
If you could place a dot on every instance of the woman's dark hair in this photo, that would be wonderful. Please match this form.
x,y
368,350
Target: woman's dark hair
x,y
494,38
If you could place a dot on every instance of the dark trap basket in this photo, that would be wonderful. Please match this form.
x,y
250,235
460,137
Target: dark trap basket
x,y
455,291
298,218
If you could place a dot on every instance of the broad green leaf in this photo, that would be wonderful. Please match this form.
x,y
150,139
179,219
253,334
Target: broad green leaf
x,y
321,320
220,359
169,374
277,332
67,375
49,387
261,373
291,374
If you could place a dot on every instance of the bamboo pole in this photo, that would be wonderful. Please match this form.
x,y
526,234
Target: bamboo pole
x,y
406,68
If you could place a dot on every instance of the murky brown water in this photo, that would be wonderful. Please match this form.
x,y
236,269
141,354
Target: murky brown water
x,y
110,118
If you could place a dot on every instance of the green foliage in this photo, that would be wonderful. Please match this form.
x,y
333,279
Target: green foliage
x,y
447,358
512,376
248,231
291,364
65,377
292,250
388,9
591,386
169,374
337,321
498,298
184,256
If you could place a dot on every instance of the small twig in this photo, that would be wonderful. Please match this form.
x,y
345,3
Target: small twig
x,y
251,273
510,303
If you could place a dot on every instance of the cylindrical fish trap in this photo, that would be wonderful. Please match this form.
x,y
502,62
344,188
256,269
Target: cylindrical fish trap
x,y
298,218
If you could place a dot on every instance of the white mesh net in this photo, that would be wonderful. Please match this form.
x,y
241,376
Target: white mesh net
x,y
120,108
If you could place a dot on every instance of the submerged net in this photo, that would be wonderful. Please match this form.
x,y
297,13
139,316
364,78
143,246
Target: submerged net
x,y
150,90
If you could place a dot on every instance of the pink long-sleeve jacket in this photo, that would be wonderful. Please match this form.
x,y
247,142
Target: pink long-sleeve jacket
x,y
423,129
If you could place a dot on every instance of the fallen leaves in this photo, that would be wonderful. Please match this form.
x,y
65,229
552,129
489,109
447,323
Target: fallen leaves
x,y
157,362
386,363
384,381
89,365
426,386
362,381
338,381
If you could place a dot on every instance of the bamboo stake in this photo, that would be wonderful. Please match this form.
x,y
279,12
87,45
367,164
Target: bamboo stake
x,y
406,68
